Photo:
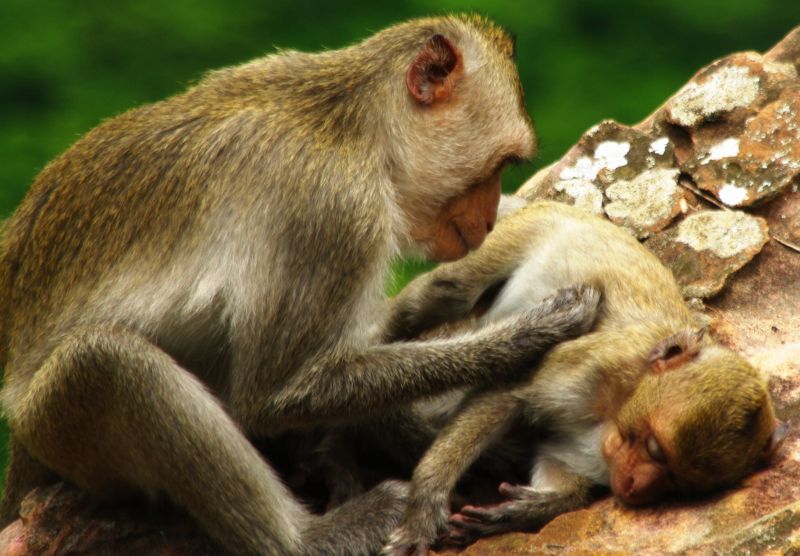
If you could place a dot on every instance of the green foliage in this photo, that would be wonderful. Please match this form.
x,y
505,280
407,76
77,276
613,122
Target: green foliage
x,y
65,66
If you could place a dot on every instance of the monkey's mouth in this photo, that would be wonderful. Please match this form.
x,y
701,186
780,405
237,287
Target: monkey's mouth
x,y
462,238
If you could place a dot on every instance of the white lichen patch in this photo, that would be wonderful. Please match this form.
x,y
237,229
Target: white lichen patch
x,y
612,154
608,154
659,146
732,195
584,169
724,149
646,202
725,233
585,194
728,88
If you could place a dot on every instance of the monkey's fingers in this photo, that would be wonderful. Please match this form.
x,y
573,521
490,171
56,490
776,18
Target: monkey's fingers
x,y
569,312
474,522
457,536
581,301
471,515
526,509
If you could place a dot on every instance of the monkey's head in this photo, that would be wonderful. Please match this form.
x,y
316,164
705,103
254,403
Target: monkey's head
x,y
701,419
461,120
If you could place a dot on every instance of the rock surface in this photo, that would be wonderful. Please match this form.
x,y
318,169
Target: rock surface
x,y
729,138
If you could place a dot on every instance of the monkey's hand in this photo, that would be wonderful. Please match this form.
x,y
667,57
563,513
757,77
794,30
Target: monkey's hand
x,y
568,313
526,509
425,521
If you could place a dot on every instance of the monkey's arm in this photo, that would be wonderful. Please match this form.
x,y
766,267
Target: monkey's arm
x,y
485,418
451,291
349,386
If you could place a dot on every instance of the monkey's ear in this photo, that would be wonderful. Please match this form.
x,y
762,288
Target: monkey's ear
x,y
673,352
430,76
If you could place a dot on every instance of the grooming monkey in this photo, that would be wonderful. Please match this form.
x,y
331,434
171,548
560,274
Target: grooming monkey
x,y
211,267
645,403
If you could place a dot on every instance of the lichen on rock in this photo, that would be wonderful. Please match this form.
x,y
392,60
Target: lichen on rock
x,y
647,203
723,90
724,233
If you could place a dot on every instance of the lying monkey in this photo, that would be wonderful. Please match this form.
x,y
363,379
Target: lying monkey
x,y
644,403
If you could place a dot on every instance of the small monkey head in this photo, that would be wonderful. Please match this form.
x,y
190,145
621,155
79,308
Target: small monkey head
x,y
699,420
462,120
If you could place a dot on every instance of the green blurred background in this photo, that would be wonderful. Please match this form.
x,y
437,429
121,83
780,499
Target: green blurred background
x,y
65,66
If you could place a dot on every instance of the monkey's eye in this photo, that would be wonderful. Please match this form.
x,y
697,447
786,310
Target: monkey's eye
x,y
654,450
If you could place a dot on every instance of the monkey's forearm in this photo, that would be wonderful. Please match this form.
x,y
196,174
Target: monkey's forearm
x,y
393,375
342,386
484,418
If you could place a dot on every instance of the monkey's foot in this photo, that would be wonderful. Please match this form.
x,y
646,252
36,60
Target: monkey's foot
x,y
526,509
361,523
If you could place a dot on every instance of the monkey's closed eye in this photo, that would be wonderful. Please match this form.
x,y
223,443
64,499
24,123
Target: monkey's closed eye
x,y
654,450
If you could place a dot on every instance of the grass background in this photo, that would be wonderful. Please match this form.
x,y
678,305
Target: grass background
x,y
66,66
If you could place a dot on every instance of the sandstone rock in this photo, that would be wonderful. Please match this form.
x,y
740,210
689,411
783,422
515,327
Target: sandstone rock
x,y
646,203
752,157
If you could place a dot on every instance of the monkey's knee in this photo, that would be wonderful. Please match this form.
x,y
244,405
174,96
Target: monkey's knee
x,y
67,411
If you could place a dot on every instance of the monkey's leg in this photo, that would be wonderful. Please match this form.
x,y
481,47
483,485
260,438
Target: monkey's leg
x,y
485,417
111,412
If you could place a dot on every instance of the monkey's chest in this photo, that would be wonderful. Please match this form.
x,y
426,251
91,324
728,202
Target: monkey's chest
x,y
578,449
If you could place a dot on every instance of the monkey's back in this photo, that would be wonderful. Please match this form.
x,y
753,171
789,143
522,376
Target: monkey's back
x,y
150,217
